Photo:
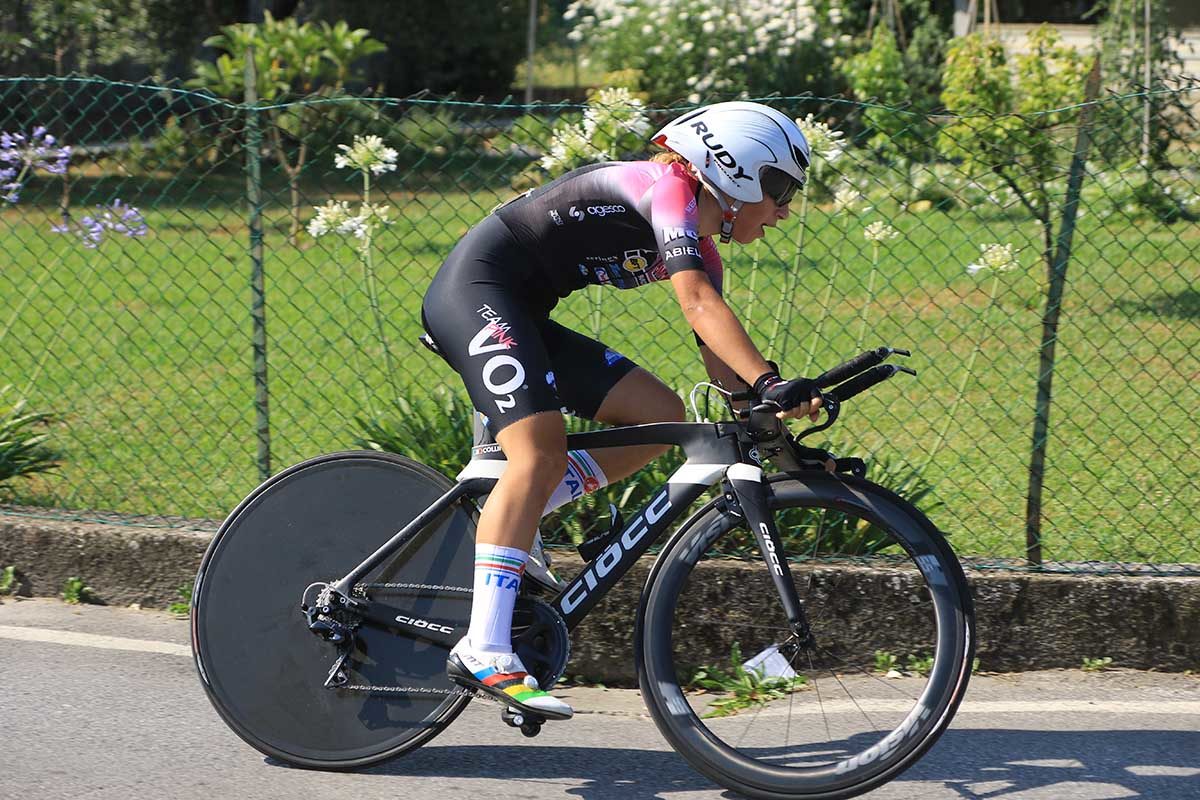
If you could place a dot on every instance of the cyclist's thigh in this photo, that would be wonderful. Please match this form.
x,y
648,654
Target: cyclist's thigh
x,y
475,312
584,371
638,398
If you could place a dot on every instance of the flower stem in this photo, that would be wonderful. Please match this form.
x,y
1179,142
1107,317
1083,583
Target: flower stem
x,y
792,278
962,384
753,280
823,310
372,291
862,327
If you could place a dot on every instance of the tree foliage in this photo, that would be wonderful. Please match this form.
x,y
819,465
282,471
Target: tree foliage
x,y
130,39
290,59
471,47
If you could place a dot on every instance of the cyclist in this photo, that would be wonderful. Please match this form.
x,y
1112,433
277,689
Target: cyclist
x,y
729,169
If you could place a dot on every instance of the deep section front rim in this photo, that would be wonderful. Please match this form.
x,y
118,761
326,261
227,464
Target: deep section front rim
x,y
847,728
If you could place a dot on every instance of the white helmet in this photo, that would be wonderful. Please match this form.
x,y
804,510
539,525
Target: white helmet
x,y
732,144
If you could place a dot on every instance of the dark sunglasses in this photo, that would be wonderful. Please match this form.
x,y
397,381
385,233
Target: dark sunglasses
x,y
779,186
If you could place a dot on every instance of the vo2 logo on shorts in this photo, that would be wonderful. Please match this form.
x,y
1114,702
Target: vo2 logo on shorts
x,y
481,344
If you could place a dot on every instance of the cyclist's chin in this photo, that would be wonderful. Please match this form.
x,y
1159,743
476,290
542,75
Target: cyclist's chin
x,y
746,237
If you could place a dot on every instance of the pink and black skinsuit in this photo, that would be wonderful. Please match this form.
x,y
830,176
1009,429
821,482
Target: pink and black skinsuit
x,y
623,224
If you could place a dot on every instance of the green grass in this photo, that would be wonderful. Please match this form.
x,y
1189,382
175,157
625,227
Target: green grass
x,y
8,580
740,688
184,606
75,591
1096,664
148,363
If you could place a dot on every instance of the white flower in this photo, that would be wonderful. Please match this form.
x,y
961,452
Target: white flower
x,y
336,217
879,231
369,154
822,140
847,196
997,257
329,217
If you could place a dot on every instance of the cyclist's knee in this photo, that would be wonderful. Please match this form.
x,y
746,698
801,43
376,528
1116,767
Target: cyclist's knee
x,y
536,451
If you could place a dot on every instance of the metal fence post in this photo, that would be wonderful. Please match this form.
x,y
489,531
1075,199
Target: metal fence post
x,y
1058,280
258,305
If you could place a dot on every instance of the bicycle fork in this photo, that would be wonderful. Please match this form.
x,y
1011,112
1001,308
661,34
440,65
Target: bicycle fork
x,y
745,488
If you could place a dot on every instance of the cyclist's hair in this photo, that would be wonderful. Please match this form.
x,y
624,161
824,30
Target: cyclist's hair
x,y
669,157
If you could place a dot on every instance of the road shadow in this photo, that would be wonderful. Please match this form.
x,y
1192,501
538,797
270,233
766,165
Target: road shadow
x,y
974,764
1156,764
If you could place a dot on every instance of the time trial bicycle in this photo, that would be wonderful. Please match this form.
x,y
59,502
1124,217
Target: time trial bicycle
x,y
328,601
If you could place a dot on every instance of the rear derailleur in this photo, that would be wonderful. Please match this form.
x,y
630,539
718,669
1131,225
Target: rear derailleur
x,y
329,617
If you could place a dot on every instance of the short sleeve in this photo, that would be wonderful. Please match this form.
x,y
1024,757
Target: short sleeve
x,y
674,217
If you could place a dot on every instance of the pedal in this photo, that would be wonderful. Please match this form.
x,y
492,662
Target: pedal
x,y
530,724
594,546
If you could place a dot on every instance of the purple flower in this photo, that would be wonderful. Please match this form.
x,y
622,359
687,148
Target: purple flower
x,y
124,219
10,190
36,151
116,217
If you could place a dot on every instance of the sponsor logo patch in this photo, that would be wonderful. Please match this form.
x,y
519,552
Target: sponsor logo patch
x,y
604,211
554,215
635,261
676,252
671,233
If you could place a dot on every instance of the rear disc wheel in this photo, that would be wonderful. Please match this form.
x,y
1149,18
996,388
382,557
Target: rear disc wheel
x,y
262,668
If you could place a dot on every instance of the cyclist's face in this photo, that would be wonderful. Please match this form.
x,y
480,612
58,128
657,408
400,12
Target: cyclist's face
x,y
754,218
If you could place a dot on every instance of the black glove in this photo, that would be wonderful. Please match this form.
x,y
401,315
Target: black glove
x,y
786,394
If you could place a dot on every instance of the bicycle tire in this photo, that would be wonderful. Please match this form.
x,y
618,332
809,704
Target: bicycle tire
x,y
934,586
261,667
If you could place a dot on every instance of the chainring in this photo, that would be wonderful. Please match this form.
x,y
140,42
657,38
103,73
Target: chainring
x,y
541,640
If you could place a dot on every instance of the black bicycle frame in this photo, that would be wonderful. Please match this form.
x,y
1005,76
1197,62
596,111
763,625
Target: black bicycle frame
x,y
711,450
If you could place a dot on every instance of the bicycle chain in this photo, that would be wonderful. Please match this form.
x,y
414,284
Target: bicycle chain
x,y
360,591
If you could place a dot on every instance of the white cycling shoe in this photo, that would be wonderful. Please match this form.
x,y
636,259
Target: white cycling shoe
x,y
503,676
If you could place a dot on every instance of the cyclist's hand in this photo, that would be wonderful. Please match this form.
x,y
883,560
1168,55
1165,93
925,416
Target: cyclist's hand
x,y
798,397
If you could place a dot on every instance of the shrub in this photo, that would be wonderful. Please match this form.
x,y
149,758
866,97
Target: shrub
x,y
693,49
424,131
23,441
435,429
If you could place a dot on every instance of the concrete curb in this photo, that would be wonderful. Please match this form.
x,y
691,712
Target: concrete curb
x,y
1025,621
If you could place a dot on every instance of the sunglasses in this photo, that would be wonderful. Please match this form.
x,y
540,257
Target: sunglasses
x,y
779,186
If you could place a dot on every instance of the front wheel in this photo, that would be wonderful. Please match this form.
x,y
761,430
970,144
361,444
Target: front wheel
x,y
843,712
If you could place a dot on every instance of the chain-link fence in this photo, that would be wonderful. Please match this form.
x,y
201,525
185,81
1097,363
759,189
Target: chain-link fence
x,y
165,301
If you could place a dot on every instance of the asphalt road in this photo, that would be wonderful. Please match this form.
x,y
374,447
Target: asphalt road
x,y
104,703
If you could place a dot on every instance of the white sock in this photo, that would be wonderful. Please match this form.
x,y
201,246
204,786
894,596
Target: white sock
x,y
584,476
498,573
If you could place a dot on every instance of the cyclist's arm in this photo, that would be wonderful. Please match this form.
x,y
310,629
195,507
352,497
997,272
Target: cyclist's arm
x,y
721,373
716,325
